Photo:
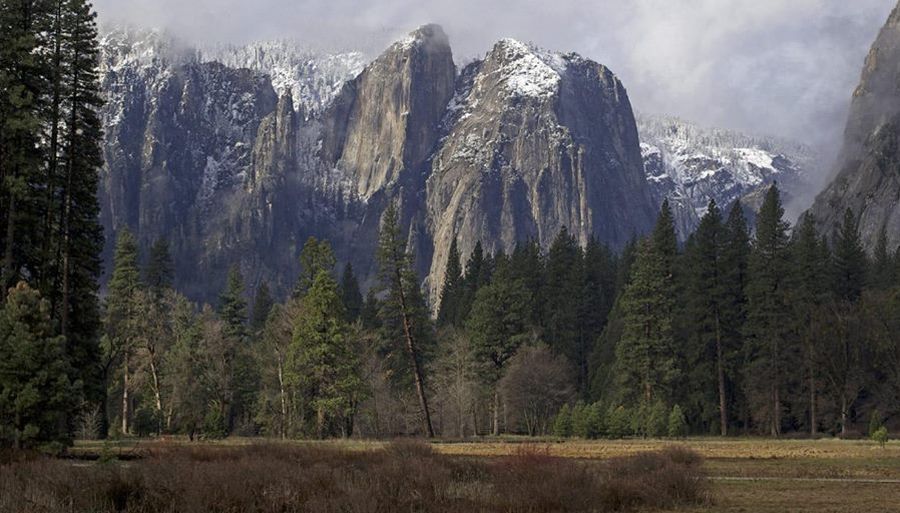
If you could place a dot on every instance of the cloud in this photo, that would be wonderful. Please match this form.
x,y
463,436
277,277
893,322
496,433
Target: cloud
x,y
781,67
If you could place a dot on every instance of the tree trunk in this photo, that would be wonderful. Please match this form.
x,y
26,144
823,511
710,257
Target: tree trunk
x,y
813,427
776,412
283,399
460,421
125,397
495,430
413,354
157,396
67,205
720,363
843,416
320,422
17,432
10,242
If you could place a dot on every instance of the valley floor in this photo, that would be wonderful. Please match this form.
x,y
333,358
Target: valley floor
x,y
747,475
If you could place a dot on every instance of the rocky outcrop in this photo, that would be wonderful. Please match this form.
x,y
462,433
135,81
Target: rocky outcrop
x,y
385,122
868,171
535,141
205,156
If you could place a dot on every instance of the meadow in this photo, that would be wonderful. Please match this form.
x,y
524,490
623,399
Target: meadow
x,y
503,475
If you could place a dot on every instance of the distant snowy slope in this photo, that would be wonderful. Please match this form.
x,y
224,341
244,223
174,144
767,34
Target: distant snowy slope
x,y
313,76
690,165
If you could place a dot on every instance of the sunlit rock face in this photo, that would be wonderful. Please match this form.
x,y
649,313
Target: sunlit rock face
x,y
535,141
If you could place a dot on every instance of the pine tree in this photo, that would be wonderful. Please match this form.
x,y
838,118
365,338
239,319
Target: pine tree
x,y
497,327
808,291
849,260
23,87
771,356
122,318
262,306
37,391
350,294
321,360
562,295
646,360
735,261
477,275
316,256
707,302
240,376
370,311
405,324
233,306
160,271
882,275
527,265
452,290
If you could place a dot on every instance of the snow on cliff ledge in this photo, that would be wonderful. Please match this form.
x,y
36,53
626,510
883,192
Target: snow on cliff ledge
x,y
528,71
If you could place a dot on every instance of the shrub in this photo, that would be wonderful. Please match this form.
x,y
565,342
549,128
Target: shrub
x,y
214,425
875,422
677,423
587,421
618,422
562,424
881,436
657,420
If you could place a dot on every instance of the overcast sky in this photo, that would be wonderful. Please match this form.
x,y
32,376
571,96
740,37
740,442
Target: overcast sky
x,y
781,67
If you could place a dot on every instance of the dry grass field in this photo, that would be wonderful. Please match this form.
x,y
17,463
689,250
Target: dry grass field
x,y
745,475
762,476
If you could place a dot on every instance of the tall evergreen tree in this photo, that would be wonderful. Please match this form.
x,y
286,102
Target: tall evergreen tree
x,y
772,357
646,360
472,280
562,300
405,323
233,306
735,262
23,87
159,272
316,256
808,291
707,298
498,326
451,295
239,376
527,265
321,360
882,275
262,306
350,294
849,260
122,324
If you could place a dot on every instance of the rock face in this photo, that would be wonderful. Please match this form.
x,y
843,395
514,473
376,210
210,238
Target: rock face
x,y
868,171
690,165
237,155
385,122
204,155
533,142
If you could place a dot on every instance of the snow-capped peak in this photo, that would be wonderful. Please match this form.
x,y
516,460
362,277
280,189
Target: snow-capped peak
x,y
527,71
